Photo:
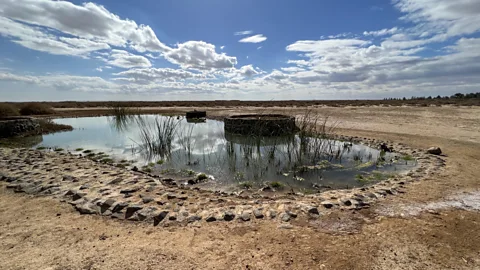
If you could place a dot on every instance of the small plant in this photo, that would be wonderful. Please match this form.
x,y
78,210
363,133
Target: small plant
x,y
41,148
160,162
36,109
190,172
91,155
120,165
101,153
276,184
201,177
79,149
151,164
123,161
239,176
107,160
245,185
147,169
407,158
8,110
58,149
87,151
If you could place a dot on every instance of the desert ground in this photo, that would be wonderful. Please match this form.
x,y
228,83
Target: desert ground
x,y
434,224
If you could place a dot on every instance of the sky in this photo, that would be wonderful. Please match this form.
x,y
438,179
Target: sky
x,y
241,50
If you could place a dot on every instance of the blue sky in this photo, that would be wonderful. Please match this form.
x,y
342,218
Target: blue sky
x,y
225,49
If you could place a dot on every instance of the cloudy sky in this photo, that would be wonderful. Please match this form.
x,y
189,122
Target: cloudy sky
x,y
229,49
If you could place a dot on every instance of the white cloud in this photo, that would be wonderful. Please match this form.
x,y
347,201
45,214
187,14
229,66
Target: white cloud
x,y
99,69
453,18
243,33
34,38
125,59
247,71
88,21
253,39
148,75
199,55
382,32
222,47
259,47
292,69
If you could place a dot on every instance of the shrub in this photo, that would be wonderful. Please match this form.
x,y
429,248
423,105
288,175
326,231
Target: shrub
x,y
202,177
8,110
36,109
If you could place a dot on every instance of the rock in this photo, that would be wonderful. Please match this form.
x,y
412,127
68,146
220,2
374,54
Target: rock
x,y
258,213
267,189
85,209
172,218
272,214
194,218
129,190
135,169
434,151
146,200
106,205
86,186
327,204
146,213
228,216
347,202
285,217
171,196
291,214
285,226
131,210
313,210
210,219
119,207
78,195
69,178
115,181
158,218
245,216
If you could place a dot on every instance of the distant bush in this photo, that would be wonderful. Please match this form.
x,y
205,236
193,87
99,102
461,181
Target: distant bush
x,y
36,109
8,110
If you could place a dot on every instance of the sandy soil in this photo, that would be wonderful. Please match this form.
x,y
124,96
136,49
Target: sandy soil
x,y
443,231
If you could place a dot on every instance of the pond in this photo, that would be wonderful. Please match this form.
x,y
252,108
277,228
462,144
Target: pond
x,y
177,147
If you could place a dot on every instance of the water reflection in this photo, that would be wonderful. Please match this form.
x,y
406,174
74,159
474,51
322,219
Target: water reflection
x,y
298,161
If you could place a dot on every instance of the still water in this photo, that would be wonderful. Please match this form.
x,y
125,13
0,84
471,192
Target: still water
x,y
230,160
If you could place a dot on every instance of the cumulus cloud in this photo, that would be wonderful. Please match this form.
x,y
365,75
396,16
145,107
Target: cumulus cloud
x,y
148,75
125,59
199,55
253,39
36,39
89,21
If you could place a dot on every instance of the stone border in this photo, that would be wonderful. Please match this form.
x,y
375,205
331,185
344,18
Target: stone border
x,y
95,188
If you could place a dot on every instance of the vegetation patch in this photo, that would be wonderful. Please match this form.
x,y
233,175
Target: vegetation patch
x,y
7,110
35,108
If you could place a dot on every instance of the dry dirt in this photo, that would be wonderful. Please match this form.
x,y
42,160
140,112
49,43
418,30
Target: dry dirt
x,y
40,233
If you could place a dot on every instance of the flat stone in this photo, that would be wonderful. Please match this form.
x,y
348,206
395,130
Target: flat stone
x,y
129,190
158,218
258,213
85,209
146,200
210,219
313,210
327,205
194,218
434,151
272,214
285,217
119,207
131,210
115,181
228,216
245,217
171,196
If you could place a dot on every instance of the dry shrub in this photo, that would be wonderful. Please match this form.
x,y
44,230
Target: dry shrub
x,y
36,109
8,110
